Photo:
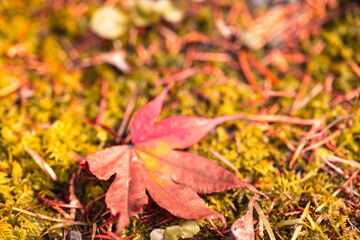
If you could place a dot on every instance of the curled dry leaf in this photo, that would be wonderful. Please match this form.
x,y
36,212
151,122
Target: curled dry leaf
x,y
243,228
12,87
172,178
117,59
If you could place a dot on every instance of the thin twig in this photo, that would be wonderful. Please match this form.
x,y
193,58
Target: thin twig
x,y
333,123
41,163
322,141
127,113
247,72
328,83
214,57
279,119
347,97
345,183
333,166
147,229
262,69
301,93
103,102
355,68
302,143
53,205
177,77
315,91
106,128
94,200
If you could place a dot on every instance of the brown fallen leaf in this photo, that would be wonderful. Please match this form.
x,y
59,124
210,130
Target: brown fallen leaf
x,y
172,178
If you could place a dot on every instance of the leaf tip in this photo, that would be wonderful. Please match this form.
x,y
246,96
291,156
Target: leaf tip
x,y
85,165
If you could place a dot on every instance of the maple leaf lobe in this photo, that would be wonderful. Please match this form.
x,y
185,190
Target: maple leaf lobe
x,y
146,116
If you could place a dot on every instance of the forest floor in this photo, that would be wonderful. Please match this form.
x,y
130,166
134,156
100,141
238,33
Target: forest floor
x,y
69,82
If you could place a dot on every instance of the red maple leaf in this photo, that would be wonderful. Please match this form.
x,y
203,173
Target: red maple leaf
x,y
172,178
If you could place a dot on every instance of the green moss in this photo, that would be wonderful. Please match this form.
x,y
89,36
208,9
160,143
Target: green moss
x,y
341,37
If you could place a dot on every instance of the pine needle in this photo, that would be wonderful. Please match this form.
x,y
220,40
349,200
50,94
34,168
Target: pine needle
x,y
64,225
265,221
288,222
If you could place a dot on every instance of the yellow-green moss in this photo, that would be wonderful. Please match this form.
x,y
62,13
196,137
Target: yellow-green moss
x,y
66,94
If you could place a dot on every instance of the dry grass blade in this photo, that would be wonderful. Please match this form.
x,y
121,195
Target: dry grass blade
x,y
312,223
93,233
288,222
224,160
41,163
265,221
64,225
37,215
299,227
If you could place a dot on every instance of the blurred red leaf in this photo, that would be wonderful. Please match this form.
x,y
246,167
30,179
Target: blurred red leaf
x,y
172,178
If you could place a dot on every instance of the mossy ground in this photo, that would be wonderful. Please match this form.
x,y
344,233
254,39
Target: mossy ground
x,y
48,114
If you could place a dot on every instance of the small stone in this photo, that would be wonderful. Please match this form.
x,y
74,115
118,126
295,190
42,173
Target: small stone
x,y
157,234
109,22
75,235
